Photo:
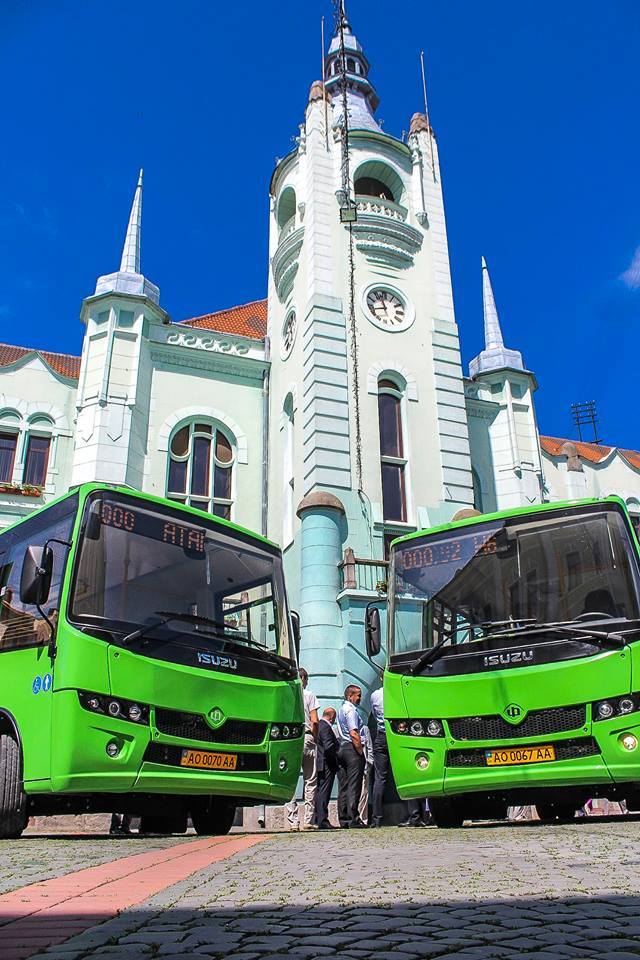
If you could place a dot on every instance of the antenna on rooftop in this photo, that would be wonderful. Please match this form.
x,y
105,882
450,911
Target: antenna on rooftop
x,y
585,414
426,112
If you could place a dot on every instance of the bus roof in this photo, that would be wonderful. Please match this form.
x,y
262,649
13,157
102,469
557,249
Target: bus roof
x,y
84,489
503,514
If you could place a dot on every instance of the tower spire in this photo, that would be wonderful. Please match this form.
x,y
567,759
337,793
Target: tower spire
x,y
130,262
128,279
495,355
362,99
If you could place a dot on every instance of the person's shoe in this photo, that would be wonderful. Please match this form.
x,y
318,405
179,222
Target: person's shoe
x,y
377,822
294,825
358,825
411,823
326,826
309,826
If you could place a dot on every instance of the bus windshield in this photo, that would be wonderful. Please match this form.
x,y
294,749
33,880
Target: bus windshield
x,y
498,580
158,579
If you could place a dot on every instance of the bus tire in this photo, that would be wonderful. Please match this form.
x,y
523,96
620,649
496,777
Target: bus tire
x,y
13,800
551,810
163,823
446,813
212,816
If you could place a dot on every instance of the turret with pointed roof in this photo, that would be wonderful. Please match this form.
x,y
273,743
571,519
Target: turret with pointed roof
x,y
362,99
128,279
495,355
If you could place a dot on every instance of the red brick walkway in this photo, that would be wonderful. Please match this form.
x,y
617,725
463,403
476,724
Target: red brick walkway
x,y
48,913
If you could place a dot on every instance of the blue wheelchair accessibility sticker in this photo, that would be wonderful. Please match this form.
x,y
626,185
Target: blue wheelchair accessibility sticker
x,y
37,684
47,680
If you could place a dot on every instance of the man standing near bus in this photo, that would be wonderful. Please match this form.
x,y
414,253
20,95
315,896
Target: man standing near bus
x,y
309,773
351,758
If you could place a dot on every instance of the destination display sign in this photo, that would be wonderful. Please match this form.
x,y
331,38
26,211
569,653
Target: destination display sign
x,y
458,549
154,526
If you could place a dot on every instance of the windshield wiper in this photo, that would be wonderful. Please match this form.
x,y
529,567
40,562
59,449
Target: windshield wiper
x,y
166,616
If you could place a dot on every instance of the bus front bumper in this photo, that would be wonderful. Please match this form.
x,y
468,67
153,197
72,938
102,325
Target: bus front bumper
x,y
606,752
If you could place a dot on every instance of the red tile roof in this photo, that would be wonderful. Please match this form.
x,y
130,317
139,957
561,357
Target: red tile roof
x,y
62,363
592,452
247,320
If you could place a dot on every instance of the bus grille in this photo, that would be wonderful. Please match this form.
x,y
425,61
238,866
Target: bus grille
x,y
171,756
535,724
565,750
193,726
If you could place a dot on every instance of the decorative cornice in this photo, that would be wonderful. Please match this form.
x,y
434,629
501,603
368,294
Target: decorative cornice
x,y
386,240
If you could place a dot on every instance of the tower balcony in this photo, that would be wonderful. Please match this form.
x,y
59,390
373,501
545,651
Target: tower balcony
x,y
383,234
285,260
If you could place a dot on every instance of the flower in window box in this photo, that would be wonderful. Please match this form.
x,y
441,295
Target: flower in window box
x,y
31,490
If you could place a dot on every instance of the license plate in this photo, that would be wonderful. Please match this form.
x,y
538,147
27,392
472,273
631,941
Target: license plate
x,y
507,756
207,760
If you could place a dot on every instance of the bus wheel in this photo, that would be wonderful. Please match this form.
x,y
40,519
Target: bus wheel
x,y
163,823
212,815
13,800
556,810
446,813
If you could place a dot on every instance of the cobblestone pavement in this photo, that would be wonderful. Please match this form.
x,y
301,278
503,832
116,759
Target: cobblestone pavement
x,y
543,892
33,859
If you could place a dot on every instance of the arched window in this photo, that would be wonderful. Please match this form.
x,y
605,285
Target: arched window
x,y
393,460
370,187
286,215
9,433
374,178
351,65
200,471
288,472
25,448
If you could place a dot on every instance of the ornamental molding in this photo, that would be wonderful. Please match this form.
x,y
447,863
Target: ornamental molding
x,y
210,413
210,342
386,239
213,363
482,409
376,370
285,262
26,411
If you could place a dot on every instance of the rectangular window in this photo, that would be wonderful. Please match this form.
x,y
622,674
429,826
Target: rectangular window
x,y
201,466
393,497
390,425
8,443
36,461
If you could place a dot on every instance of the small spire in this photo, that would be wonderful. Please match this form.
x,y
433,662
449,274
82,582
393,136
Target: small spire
x,y
492,332
495,355
130,262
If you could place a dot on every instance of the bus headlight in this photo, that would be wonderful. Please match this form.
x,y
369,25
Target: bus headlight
x,y
626,705
286,731
616,707
418,727
114,707
604,710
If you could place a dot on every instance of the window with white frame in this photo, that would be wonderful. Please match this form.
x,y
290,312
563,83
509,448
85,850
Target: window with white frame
x,y
288,471
25,448
393,461
200,471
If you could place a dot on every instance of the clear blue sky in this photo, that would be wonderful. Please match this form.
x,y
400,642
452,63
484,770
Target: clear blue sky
x,y
536,111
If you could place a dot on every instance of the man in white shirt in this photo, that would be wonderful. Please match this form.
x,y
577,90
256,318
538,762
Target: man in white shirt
x,y
309,774
351,762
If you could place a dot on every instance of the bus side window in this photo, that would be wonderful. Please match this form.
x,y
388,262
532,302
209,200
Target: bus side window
x,y
20,624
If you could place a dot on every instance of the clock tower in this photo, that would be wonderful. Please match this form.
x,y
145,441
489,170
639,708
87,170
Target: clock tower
x,y
368,434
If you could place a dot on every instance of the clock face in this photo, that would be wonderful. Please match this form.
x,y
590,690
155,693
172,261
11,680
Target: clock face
x,y
387,307
289,333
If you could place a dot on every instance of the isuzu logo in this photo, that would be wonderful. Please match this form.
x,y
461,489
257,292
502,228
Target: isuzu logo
x,y
215,660
507,659
216,717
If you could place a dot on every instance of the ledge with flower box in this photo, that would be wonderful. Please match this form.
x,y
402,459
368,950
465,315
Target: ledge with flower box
x,y
21,489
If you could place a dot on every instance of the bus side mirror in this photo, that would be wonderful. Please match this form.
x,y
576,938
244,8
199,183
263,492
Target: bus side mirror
x,y
295,624
372,631
35,579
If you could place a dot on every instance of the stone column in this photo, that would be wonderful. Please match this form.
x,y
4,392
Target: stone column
x,y
322,520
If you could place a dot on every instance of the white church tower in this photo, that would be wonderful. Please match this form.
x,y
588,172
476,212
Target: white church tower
x,y
504,433
114,388
368,428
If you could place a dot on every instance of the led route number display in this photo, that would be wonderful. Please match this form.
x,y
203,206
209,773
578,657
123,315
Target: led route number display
x,y
155,527
439,552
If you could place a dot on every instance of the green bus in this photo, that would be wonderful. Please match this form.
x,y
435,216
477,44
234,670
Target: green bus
x,y
513,661
148,665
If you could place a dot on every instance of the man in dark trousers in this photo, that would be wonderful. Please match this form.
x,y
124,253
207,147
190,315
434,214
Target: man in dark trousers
x,y
326,766
351,759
